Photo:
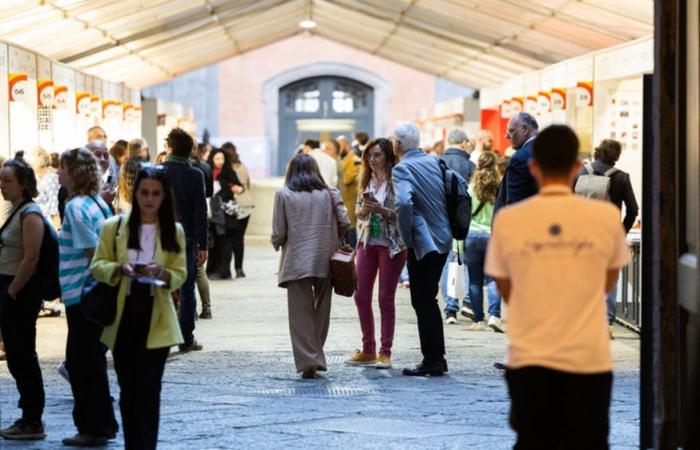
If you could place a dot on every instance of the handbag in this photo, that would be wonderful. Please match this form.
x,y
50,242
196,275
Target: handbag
x,y
99,300
342,263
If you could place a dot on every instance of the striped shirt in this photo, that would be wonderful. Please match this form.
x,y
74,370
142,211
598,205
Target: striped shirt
x,y
80,230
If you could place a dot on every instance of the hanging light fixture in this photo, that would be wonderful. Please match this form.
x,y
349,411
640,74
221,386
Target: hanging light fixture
x,y
308,23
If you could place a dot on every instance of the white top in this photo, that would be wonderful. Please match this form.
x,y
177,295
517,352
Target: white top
x,y
147,239
556,248
327,165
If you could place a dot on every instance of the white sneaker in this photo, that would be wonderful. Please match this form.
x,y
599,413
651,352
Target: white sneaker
x,y
478,326
451,318
495,324
466,312
62,371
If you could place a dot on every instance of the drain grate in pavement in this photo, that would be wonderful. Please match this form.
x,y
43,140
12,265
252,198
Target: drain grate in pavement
x,y
317,392
380,426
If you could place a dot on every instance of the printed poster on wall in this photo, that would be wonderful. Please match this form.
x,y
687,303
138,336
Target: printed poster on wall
x,y
22,96
45,107
4,103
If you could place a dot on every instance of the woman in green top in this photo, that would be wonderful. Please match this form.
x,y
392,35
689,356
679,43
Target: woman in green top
x,y
483,191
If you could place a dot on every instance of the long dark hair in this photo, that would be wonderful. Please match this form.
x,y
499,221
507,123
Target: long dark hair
x,y
303,175
228,162
166,212
232,151
391,160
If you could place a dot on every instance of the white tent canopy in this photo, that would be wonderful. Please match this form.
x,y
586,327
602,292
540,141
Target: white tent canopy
x,y
474,42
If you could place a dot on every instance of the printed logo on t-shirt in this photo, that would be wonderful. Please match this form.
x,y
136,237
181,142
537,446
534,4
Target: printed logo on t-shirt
x,y
555,229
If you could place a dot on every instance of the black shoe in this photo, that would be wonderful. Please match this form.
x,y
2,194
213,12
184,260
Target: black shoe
x,y
239,273
24,430
217,276
422,370
500,366
194,346
450,318
86,440
206,314
444,365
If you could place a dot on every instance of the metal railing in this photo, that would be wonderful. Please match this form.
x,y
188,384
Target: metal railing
x,y
629,310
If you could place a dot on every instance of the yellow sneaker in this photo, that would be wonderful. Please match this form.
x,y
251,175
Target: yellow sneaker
x,y
383,362
361,358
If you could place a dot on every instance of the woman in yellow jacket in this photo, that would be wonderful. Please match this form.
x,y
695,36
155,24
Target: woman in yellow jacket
x,y
143,253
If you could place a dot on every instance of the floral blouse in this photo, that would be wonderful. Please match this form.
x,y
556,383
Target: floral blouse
x,y
389,227
47,199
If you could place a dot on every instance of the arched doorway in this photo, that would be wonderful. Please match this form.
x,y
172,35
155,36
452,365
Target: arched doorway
x,y
322,108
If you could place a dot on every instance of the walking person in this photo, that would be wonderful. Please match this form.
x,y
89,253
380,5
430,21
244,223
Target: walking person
x,y
190,202
482,190
308,217
616,187
148,243
246,205
125,187
199,155
224,213
553,264
380,251
425,229
84,215
20,299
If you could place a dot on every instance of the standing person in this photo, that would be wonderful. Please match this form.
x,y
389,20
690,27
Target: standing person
x,y
380,250
125,187
307,219
187,184
138,147
482,190
84,215
20,299
425,229
361,140
484,143
326,163
517,183
246,205
553,264
117,155
199,155
226,187
47,186
148,243
619,190
456,156
348,187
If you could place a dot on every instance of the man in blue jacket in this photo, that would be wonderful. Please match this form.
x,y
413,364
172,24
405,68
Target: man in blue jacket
x,y
518,184
425,229
191,211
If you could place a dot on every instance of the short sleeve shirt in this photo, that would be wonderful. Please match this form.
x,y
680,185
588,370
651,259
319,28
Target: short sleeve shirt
x,y
556,249
80,230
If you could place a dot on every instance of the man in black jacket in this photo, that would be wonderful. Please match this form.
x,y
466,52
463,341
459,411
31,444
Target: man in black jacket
x,y
457,158
191,211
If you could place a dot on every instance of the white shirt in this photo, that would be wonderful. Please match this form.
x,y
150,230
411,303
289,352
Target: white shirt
x,y
327,165
147,239
556,249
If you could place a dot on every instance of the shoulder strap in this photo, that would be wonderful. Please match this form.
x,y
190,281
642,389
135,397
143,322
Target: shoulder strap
x,y
119,225
12,215
589,167
99,206
479,208
608,173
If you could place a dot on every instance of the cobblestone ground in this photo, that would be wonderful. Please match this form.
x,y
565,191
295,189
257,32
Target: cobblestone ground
x,y
242,392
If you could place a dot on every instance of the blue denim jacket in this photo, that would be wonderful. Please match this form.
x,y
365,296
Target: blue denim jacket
x,y
420,202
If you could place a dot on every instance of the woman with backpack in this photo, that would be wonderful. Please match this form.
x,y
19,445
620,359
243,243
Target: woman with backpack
x,y
146,244
20,296
482,189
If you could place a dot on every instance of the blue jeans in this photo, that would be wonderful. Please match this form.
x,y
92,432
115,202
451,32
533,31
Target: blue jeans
x,y
611,303
188,302
451,303
475,248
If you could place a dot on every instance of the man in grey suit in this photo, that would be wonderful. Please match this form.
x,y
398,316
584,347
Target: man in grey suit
x,y
425,229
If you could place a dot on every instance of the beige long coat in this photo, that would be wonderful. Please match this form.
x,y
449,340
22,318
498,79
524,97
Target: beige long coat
x,y
305,227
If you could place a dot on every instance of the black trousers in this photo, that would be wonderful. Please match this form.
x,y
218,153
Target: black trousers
x,y
238,242
558,410
425,276
139,371
18,325
220,258
93,413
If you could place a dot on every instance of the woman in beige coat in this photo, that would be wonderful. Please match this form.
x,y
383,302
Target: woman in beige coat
x,y
308,217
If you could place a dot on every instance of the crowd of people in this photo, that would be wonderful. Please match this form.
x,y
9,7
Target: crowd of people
x,y
552,256
152,232
120,221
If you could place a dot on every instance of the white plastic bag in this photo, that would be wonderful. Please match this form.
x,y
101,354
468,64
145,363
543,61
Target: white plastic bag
x,y
455,280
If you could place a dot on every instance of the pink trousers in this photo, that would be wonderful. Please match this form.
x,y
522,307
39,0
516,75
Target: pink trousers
x,y
370,260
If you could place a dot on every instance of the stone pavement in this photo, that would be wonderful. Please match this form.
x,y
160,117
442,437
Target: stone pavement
x,y
242,391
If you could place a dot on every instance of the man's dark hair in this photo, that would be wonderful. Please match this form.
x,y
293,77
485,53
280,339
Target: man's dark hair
x,y
555,149
313,143
608,151
180,142
362,137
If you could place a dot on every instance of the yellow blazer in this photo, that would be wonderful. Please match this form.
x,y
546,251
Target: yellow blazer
x,y
165,328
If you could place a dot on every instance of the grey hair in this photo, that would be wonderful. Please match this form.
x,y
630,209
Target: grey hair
x,y
456,137
408,134
529,120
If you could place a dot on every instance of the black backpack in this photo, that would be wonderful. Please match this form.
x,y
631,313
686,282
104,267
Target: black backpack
x,y
459,202
46,272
